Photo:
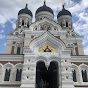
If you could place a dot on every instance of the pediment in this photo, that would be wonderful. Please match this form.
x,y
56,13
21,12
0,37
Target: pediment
x,y
47,39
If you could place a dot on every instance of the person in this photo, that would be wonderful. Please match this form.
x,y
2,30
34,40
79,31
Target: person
x,y
41,84
45,84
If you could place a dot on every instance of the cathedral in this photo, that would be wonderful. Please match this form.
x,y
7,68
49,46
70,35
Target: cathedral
x,y
44,53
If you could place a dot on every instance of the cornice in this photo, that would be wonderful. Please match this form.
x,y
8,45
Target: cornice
x,y
8,57
81,58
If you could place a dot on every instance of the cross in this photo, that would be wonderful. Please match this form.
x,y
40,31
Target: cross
x,y
62,2
44,0
27,1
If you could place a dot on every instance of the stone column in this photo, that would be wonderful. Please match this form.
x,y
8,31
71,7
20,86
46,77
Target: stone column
x,y
29,72
66,66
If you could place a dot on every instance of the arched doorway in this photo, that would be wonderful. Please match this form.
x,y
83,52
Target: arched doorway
x,y
47,78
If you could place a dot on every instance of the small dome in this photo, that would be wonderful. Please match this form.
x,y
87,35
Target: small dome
x,y
64,12
44,8
26,11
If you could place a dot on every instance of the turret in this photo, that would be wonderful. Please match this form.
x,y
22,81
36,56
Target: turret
x,y
24,18
65,19
44,12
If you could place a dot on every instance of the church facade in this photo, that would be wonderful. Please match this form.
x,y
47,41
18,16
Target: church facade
x,y
44,53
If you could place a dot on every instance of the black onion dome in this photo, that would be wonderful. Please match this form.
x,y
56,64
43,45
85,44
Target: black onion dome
x,y
44,8
64,12
26,11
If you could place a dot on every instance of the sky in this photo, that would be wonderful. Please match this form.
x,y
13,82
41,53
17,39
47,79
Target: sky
x,y
9,13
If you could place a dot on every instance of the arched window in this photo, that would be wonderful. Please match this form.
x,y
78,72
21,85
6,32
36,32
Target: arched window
x,y
7,75
18,75
18,50
84,76
22,22
66,24
74,76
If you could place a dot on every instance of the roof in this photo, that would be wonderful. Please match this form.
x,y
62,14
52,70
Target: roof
x,y
44,8
64,12
26,11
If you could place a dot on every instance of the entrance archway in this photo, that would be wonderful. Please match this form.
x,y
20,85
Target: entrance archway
x,y
47,78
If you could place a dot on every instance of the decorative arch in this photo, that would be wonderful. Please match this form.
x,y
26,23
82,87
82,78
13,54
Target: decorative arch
x,y
47,38
8,70
18,65
83,65
55,59
75,73
18,70
41,58
74,66
47,76
1,65
84,72
9,65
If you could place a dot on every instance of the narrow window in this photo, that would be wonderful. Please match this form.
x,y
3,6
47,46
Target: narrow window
x,y
22,22
7,75
18,75
74,76
84,76
61,24
28,24
66,24
18,50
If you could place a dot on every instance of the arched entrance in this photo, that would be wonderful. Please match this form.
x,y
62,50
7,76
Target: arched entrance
x,y
47,78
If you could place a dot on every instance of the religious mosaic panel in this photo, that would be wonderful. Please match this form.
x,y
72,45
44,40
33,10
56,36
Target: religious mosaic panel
x,y
45,27
47,48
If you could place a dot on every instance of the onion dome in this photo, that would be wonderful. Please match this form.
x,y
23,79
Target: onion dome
x,y
44,8
25,11
64,12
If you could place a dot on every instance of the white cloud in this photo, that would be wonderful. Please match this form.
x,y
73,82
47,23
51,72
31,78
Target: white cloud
x,y
2,36
1,31
10,10
79,6
2,19
4,44
13,24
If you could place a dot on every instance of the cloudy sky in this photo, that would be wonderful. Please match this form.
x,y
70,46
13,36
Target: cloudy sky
x,y
9,12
